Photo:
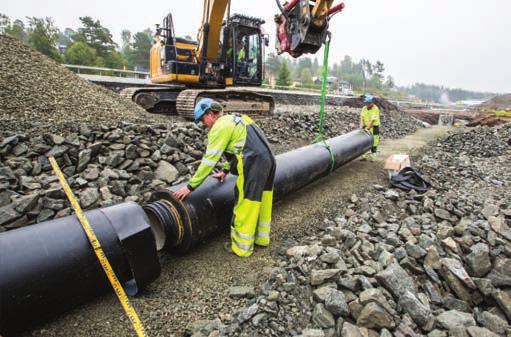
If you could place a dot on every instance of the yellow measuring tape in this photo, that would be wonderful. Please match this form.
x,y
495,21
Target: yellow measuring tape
x,y
103,260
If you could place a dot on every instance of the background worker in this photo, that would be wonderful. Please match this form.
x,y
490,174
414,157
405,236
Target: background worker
x,y
250,158
370,121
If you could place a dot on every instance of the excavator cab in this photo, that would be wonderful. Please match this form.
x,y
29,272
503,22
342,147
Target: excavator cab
x,y
242,51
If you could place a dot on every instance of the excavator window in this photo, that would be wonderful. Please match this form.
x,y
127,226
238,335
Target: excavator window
x,y
248,62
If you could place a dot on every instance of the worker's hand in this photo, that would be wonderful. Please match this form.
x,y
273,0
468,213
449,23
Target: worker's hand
x,y
182,192
220,176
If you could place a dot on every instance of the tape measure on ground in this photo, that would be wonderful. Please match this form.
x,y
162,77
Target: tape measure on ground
x,y
103,260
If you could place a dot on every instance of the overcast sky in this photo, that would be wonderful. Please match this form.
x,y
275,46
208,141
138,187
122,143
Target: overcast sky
x,y
456,43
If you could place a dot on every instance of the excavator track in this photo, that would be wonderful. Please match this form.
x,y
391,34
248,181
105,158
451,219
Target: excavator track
x,y
233,100
160,99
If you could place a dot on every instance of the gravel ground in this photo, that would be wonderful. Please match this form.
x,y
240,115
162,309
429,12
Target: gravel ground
x,y
112,151
196,286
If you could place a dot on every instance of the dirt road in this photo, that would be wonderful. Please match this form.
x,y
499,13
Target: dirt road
x,y
194,286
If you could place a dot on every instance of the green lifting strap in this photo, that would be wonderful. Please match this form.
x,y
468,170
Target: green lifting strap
x,y
320,136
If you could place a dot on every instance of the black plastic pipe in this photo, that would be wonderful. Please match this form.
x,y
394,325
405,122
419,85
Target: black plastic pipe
x,y
50,267
179,226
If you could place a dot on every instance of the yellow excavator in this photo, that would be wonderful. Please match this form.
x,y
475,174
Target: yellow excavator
x,y
227,55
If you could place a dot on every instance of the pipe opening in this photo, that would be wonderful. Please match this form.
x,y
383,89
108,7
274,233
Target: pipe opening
x,y
166,223
157,226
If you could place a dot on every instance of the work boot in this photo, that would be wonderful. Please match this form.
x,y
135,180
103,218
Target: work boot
x,y
371,157
227,247
365,156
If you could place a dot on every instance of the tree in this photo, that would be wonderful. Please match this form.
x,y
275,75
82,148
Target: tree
x,y
115,60
125,41
379,69
81,54
306,76
16,29
4,22
272,65
99,38
284,76
389,83
95,36
43,36
138,53
66,37
367,71
346,66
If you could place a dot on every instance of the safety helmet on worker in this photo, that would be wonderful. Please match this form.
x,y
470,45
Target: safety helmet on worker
x,y
368,99
203,106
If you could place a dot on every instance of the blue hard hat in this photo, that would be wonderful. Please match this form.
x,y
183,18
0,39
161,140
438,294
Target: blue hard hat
x,y
368,99
203,106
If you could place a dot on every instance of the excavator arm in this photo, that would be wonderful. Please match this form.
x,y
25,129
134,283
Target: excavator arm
x,y
213,13
302,26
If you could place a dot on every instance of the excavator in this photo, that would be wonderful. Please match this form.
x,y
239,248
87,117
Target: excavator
x,y
227,56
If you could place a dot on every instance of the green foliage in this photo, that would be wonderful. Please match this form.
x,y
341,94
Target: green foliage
x,y
137,51
43,36
125,40
81,54
16,29
99,39
272,65
284,78
306,76
95,36
115,60
66,37
389,83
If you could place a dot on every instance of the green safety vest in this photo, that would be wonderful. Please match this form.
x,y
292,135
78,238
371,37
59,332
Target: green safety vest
x,y
370,115
228,134
241,53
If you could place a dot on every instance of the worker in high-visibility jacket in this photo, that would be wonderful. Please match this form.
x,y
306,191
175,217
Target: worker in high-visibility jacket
x,y
250,157
370,121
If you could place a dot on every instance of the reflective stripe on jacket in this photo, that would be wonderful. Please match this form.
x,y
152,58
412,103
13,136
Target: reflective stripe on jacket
x,y
228,135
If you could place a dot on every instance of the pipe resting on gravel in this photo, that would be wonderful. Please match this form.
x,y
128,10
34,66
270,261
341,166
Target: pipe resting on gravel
x,y
50,267
178,226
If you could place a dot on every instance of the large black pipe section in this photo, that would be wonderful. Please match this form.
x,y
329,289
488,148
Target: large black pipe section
x,y
50,267
179,226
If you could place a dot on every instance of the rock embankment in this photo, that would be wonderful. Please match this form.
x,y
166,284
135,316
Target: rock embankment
x,y
392,263
112,162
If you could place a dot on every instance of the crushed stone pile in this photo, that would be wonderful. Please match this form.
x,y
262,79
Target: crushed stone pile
x,y
501,102
389,263
479,142
103,165
298,121
36,88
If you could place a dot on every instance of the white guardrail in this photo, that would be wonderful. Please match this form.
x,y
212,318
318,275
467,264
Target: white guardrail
x,y
107,71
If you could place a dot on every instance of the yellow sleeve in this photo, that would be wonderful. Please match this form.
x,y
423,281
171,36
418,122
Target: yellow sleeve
x,y
375,116
218,139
